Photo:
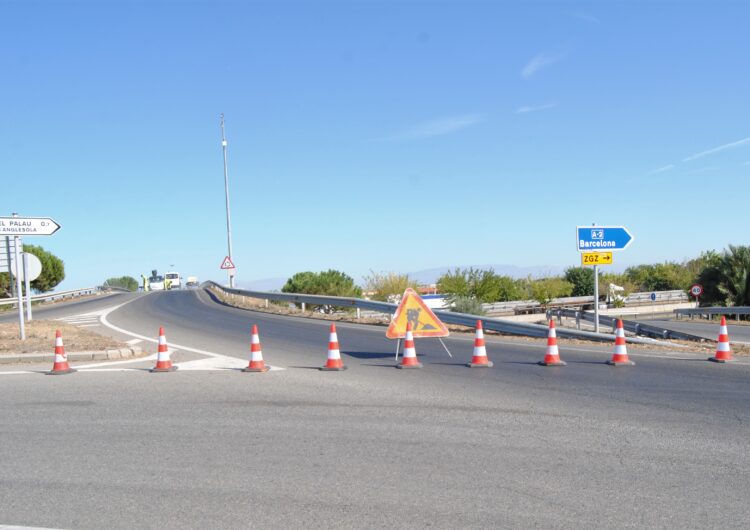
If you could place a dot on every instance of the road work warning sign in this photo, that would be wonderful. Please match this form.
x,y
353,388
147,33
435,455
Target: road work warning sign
x,y
412,309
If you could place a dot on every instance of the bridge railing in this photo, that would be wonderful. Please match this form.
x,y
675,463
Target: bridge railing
x,y
59,295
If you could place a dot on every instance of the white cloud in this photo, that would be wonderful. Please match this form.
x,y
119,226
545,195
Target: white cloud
x,y
531,108
661,169
738,143
703,170
540,61
437,127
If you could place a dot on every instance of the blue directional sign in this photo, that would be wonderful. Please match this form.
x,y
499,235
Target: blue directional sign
x,y
593,238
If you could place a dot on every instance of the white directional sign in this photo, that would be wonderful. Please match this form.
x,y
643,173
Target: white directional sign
x,y
27,226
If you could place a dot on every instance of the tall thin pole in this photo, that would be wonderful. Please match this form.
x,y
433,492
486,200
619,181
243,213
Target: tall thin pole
x,y
596,296
19,288
226,192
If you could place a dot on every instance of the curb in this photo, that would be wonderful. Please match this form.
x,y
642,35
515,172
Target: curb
x,y
104,355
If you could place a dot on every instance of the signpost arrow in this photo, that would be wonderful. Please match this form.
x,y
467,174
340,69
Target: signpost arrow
x,y
27,226
592,238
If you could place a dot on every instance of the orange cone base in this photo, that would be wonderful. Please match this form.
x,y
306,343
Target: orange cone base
x,y
485,364
334,368
157,369
620,363
552,363
719,360
408,366
61,372
256,369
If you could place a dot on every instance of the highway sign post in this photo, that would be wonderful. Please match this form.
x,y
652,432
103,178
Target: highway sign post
x,y
595,244
16,227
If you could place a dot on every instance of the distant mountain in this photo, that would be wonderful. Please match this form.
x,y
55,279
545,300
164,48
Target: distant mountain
x,y
428,276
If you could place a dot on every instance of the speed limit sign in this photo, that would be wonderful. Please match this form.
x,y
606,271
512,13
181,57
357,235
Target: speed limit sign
x,y
696,290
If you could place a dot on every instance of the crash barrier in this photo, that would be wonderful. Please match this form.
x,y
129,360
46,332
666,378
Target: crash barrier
x,y
639,328
713,311
51,297
492,324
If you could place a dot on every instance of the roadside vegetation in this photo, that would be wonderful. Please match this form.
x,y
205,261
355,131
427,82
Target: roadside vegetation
x,y
123,282
53,272
725,277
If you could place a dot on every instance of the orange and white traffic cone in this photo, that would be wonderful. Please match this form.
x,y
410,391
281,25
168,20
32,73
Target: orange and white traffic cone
x,y
163,362
620,356
723,351
61,359
256,355
409,359
479,358
552,357
334,362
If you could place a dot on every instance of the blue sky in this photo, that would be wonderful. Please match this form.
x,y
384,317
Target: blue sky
x,y
373,135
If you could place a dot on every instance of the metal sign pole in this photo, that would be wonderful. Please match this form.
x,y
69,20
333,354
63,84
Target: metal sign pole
x,y
596,298
28,285
19,290
226,193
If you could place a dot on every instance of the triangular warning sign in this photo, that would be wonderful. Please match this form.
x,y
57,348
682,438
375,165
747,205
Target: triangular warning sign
x,y
412,309
227,263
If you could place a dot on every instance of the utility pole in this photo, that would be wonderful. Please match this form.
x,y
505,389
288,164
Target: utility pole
x,y
226,192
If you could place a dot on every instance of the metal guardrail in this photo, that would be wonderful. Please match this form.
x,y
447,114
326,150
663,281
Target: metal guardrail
x,y
53,296
704,311
461,319
639,328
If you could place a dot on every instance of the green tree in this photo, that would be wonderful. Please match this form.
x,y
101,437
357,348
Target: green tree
x,y
582,279
546,289
483,285
665,276
727,281
123,282
53,269
329,283
387,284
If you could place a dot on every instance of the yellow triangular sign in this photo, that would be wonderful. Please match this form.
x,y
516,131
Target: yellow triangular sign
x,y
412,309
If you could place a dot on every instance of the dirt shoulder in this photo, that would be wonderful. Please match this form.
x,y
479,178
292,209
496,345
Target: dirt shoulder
x,y
40,338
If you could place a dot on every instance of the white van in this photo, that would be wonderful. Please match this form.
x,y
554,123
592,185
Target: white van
x,y
174,280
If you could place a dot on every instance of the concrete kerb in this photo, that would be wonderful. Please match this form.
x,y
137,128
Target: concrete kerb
x,y
103,355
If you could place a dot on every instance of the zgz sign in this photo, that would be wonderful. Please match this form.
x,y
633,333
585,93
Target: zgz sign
x,y
596,258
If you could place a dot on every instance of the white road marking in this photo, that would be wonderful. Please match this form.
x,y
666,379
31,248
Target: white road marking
x,y
14,527
133,341
225,358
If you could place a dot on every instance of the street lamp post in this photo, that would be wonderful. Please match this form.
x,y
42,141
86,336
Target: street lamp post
x,y
226,193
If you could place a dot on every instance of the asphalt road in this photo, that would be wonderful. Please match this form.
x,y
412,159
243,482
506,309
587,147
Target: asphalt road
x,y
659,445
704,328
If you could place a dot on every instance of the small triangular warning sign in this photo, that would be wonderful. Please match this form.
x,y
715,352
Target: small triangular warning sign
x,y
227,263
412,309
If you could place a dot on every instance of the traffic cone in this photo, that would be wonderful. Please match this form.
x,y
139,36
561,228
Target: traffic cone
x,y
620,356
723,351
256,355
61,359
479,358
409,359
552,358
163,362
334,362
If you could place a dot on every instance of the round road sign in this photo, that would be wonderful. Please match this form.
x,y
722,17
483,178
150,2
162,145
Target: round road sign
x,y
35,266
696,290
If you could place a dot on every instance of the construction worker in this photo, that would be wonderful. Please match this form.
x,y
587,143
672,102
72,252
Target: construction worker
x,y
167,284
145,283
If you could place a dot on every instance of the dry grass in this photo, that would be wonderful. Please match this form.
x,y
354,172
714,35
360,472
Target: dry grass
x,y
40,338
